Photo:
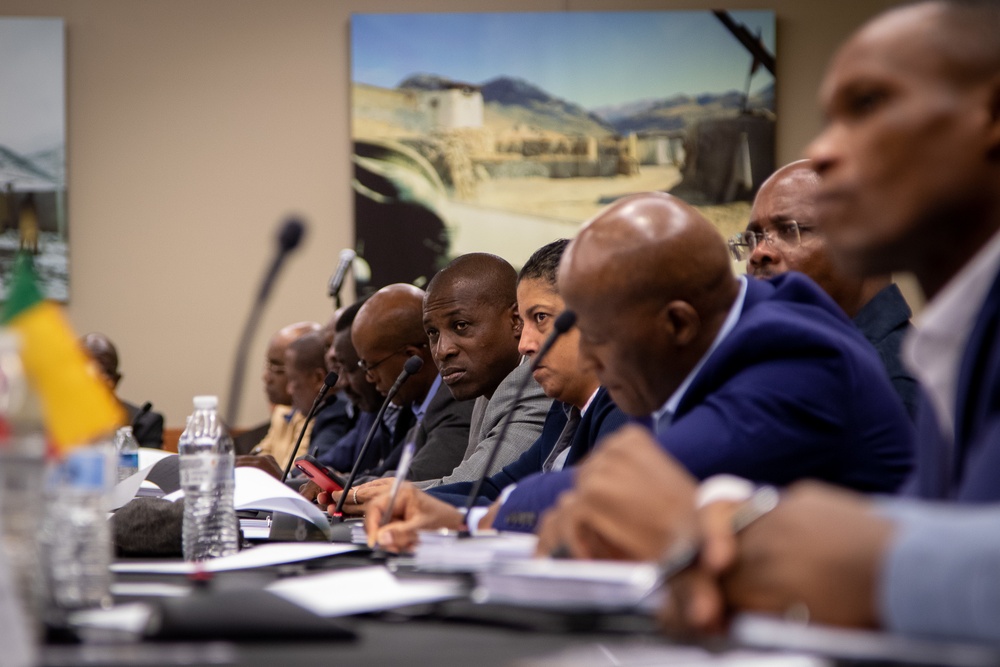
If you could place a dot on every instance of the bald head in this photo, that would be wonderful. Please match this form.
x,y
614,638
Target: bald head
x,y
392,317
103,351
275,380
784,235
650,246
470,317
651,283
387,331
487,277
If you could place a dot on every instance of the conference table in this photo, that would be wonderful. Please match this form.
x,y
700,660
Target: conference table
x,y
454,632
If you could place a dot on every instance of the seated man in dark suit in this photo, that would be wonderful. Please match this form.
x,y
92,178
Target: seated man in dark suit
x,y
783,235
148,430
342,359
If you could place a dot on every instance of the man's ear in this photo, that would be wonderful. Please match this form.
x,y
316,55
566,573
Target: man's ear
x,y
515,320
681,321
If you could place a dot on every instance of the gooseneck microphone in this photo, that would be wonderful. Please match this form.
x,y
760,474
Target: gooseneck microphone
x,y
328,383
563,323
412,365
337,279
289,237
146,407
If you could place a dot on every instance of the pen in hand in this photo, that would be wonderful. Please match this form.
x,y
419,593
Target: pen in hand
x,y
401,472
684,553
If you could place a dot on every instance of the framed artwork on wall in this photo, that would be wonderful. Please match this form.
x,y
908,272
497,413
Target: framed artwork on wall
x,y
33,150
502,132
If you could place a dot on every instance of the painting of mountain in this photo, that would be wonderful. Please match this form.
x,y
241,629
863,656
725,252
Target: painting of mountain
x,y
502,132
33,150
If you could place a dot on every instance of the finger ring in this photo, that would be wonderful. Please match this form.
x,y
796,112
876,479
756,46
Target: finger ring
x,y
355,496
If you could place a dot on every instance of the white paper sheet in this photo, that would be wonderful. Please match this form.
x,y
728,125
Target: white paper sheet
x,y
125,490
260,556
256,490
361,590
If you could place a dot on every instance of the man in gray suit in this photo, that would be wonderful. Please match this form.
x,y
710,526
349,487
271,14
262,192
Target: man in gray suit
x,y
471,321
387,331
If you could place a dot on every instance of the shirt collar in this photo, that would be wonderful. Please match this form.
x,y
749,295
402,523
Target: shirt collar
x,y
590,400
933,351
419,410
670,407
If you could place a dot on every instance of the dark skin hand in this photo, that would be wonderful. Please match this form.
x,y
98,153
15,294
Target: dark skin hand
x,y
264,462
630,502
413,512
820,549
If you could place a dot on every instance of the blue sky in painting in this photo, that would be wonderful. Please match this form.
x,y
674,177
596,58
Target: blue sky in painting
x,y
592,59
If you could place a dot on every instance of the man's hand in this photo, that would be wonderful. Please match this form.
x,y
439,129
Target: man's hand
x,y
264,462
311,490
819,552
357,496
630,502
414,511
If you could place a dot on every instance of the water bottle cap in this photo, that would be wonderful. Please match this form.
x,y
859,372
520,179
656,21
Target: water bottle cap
x,y
206,402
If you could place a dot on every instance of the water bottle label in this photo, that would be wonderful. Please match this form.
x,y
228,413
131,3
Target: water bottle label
x,y
128,461
86,469
203,469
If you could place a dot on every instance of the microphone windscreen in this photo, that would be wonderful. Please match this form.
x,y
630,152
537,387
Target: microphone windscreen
x,y
413,364
331,379
565,321
291,234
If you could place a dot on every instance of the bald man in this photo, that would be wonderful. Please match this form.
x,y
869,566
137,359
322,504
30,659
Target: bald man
x,y
286,421
763,379
784,235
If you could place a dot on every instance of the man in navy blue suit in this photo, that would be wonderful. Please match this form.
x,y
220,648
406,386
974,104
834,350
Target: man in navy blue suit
x,y
763,379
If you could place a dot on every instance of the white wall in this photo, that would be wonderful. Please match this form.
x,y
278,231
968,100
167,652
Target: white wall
x,y
195,126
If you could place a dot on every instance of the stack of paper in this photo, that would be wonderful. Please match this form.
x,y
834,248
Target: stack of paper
x,y
572,585
448,551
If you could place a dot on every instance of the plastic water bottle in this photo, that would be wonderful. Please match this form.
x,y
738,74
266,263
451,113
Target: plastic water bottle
x,y
128,453
22,465
77,534
206,466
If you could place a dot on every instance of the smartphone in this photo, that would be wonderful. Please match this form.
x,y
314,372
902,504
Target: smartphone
x,y
317,472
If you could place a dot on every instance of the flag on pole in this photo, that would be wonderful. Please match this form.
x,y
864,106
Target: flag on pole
x,y
76,404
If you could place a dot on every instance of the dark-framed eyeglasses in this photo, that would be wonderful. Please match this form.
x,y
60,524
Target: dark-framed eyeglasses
x,y
370,368
787,234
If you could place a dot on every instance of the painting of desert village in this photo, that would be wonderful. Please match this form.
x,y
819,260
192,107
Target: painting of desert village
x,y
33,150
502,132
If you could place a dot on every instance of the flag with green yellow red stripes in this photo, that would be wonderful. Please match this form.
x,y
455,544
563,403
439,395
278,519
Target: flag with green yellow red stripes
x,y
77,406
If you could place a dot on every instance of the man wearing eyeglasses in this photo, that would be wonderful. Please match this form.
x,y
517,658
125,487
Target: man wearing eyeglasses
x,y
782,236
